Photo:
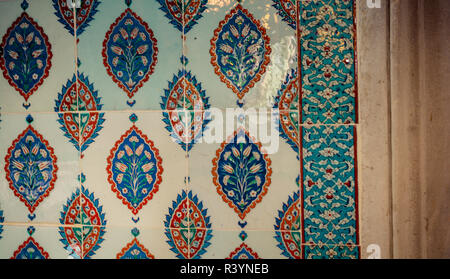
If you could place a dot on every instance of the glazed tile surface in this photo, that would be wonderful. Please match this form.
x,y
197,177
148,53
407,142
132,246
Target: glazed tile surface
x,y
37,55
40,167
163,129
129,54
247,50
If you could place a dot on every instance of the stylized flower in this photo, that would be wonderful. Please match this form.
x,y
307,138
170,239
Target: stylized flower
x,y
39,64
142,49
124,33
13,54
149,178
147,167
139,149
228,168
43,153
35,149
18,165
148,155
37,53
144,60
128,150
134,33
19,38
226,48
115,61
143,36
119,178
225,179
43,165
117,50
255,168
121,167
120,154
29,37
17,153
24,149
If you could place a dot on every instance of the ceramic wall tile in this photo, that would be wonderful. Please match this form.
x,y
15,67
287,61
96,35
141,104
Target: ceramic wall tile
x,y
40,167
32,242
331,252
251,245
130,52
329,185
133,243
249,171
241,51
328,62
152,130
37,55
135,168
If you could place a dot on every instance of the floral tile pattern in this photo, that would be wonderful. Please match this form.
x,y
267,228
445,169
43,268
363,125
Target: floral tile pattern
x,y
135,169
328,62
330,207
164,129
40,167
32,242
249,52
36,55
129,54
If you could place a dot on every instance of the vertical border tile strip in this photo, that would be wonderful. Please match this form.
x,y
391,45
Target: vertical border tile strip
x,y
328,62
329,187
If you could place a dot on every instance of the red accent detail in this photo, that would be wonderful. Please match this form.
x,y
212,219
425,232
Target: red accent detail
x,y
243,246
198,222
25,243
31,208
134,241
187,16
284,108
216,177
286,9
90,105
212,51
171,105
72,214
287,227
25,95
154,57
158,174
69,20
